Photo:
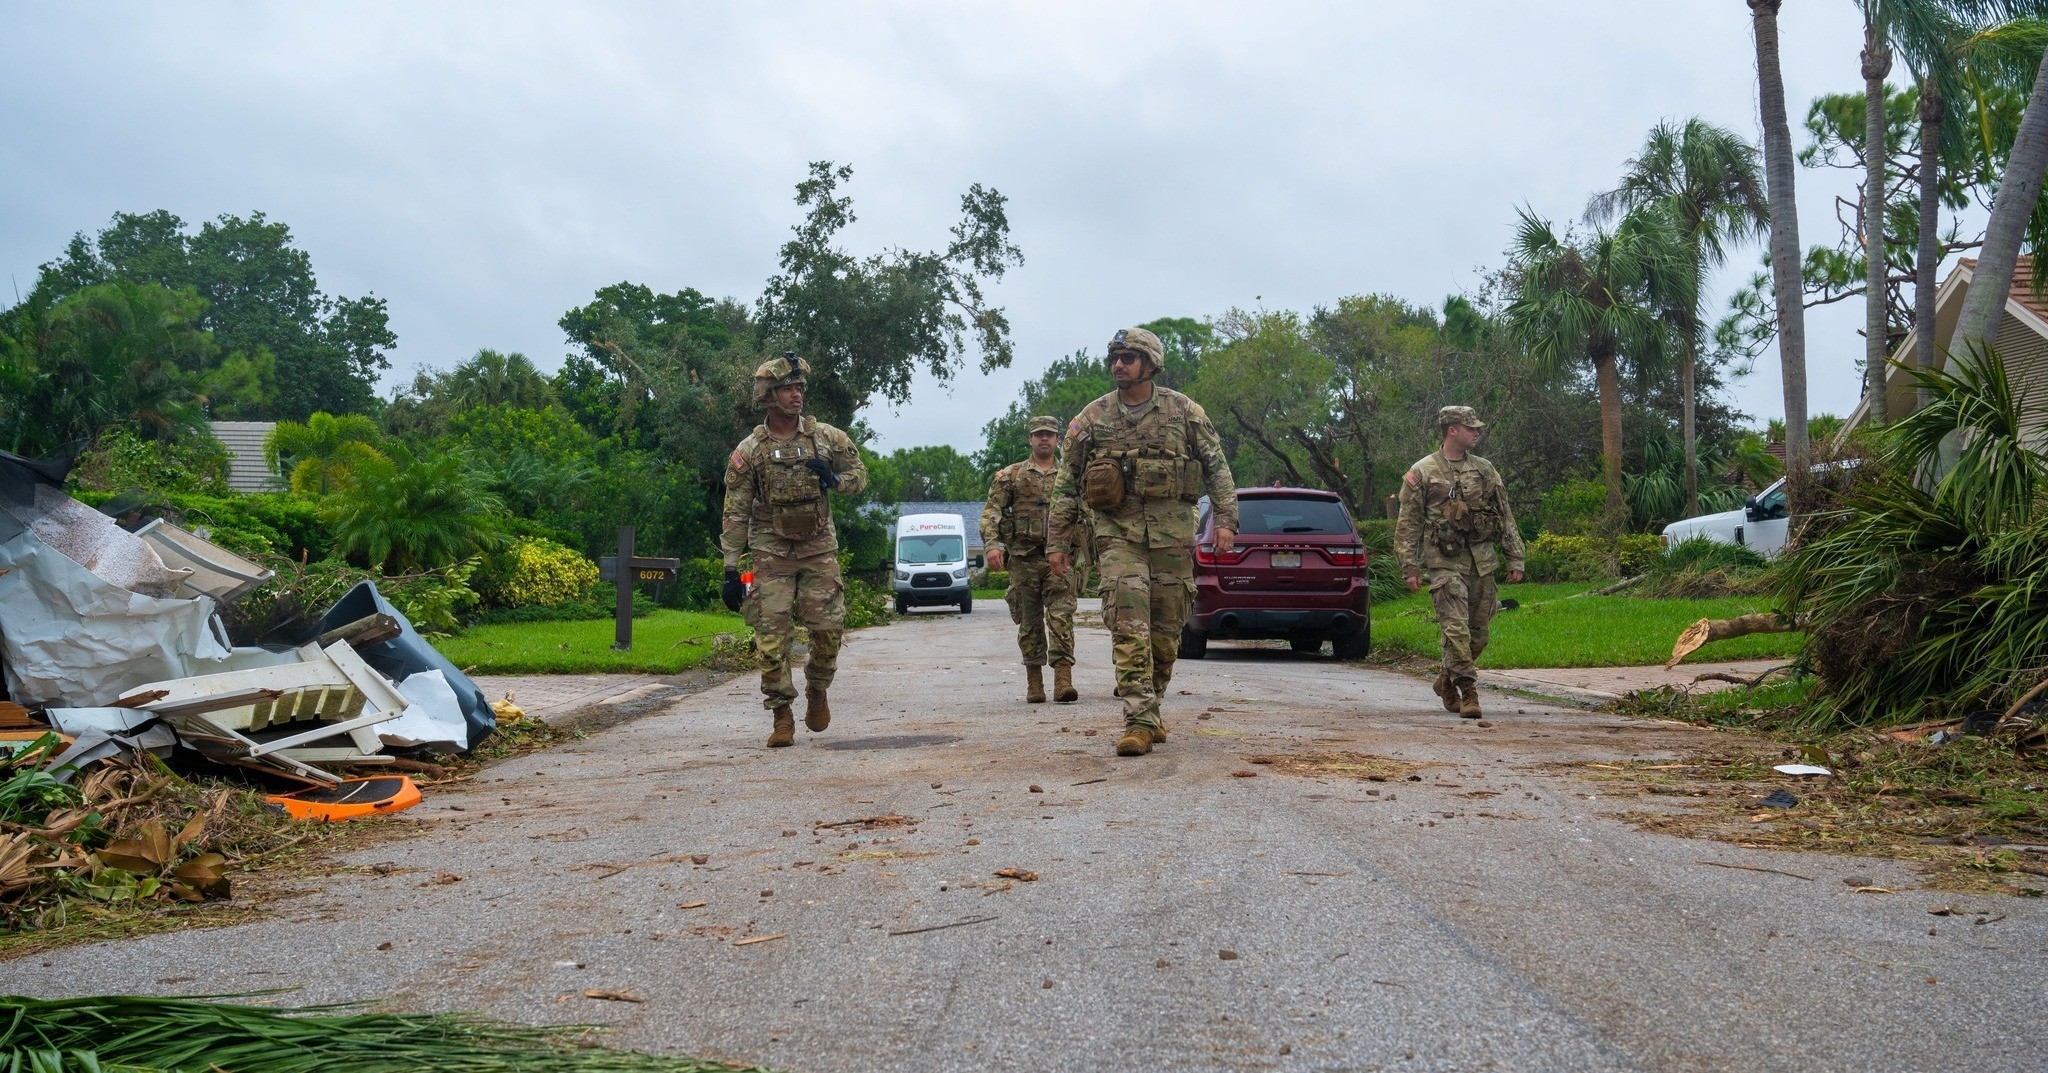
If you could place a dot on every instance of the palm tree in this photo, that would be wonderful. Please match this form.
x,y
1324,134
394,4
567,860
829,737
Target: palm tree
x,y
494,379
1601,301
1964,67
416,512
1787,289
2018,190
317,457
1706,178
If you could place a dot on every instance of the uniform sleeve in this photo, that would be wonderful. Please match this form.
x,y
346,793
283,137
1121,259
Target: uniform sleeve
x,y
739,508
1408,527
853,473
1510,536
1066,490
1208,448
992,511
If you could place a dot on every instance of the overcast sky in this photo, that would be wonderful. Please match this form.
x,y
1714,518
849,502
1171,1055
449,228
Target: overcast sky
x,y
484,167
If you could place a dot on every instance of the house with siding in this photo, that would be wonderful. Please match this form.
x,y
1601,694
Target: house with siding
x,y
2022,345
247,471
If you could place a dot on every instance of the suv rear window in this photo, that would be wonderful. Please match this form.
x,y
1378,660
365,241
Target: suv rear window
x,y
1273,516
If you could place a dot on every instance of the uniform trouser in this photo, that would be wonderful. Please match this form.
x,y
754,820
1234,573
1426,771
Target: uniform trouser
x,y
1465,602
1042,606
786,592
1145,598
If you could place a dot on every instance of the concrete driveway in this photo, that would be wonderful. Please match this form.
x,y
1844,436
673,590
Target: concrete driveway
x,y
1483,916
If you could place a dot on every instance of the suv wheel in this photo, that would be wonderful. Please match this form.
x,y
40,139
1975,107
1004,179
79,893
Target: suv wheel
x,y
1194,644
1352,645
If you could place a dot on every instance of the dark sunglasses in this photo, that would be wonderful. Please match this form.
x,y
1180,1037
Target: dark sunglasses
x,y
1122,356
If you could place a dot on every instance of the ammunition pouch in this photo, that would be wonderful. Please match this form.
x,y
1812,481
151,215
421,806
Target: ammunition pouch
x,y
796,523
1102,484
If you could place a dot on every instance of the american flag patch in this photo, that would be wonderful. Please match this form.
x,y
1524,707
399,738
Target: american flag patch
x,y
739,462
1074,427
1414,479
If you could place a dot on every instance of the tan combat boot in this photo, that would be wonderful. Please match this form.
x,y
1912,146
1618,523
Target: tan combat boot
x,y
1445,691
1063,683
1137,741
784,733
1468,699
1034,685
817,710
1159,732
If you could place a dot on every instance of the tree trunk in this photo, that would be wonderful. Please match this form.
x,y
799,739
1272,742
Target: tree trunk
x,y
1688,386
1607,371
2010,210
1928,261
1877,63
1785,253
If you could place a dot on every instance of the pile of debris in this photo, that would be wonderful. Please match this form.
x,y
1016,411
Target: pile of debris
x,y
112,651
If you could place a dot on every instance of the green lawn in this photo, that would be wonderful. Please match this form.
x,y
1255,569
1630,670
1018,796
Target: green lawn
x,y
1590,631
663,643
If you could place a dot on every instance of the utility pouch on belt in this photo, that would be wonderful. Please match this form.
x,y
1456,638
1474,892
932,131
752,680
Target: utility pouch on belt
x,y
1027,527
796,523
1157,478
1102,484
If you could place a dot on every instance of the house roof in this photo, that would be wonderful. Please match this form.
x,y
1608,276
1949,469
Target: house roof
x,y
247,471
2022,284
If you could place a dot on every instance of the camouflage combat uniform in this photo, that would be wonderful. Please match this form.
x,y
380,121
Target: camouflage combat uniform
x,y
1018,517
776,512
1453,514
1169,457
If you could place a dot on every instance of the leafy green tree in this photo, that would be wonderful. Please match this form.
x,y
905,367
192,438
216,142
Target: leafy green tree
x,y
936,473
261,295
424,408
1066,386
1705,177
1600,301
417,511
869,324
108,354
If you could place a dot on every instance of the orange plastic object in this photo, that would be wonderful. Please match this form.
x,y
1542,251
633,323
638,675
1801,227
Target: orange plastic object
x,y
747,578
350,799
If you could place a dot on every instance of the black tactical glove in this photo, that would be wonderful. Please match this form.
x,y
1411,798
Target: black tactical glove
x,y
827,479
733,592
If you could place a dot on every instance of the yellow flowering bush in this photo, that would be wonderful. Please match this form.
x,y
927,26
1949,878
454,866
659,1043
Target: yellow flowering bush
x,y
536,572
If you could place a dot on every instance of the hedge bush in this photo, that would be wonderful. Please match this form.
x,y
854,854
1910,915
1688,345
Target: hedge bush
x,y
1557,557
535,572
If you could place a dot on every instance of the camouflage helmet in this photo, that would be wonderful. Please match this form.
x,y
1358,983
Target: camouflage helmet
x,y
1042,424
775,372
1458,415
1139,341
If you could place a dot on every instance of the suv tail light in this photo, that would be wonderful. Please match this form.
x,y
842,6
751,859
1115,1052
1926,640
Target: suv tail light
x,y
1351,556
1207,555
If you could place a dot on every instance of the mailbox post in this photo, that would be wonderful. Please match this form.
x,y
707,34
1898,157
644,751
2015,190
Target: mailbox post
x,y
635,569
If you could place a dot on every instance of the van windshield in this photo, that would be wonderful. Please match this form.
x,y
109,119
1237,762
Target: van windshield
x,y
915,550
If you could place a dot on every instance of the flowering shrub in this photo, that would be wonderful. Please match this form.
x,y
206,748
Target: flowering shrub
x,y
536,571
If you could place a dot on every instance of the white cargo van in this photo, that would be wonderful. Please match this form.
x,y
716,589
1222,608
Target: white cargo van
x,y
931,562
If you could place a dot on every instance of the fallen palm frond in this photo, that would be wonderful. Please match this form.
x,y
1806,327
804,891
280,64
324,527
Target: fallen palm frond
x,y
174,1035
1927,583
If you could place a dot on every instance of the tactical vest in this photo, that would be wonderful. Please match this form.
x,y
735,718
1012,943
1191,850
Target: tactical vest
x,y
1462,517
796,507
1027,514
1151,454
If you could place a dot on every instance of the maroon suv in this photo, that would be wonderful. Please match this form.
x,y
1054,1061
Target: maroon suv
x,y
1298,572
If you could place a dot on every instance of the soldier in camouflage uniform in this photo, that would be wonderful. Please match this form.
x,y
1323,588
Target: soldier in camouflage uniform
x,y
1140,457
1454,512
777,511
1016,521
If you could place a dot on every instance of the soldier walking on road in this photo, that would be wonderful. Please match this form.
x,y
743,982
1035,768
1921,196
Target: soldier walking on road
x,y
777,511
1140,458
1454,511
1017,519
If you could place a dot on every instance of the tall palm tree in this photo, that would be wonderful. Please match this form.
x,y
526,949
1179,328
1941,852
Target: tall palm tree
x,y
1787,289
2018,190
1706,177
1601,301
493,379
1967,62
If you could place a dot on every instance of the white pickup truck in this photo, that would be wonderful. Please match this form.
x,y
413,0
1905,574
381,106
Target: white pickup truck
x,y
1759,524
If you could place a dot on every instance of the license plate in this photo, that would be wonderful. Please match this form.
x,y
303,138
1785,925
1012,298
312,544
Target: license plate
x,y
1286,560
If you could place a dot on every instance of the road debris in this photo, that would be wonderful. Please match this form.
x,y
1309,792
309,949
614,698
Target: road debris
x,y
761,939
942,927
612,996
1019,874
1754,868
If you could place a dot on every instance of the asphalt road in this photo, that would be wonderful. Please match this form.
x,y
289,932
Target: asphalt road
x,y
1182,918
